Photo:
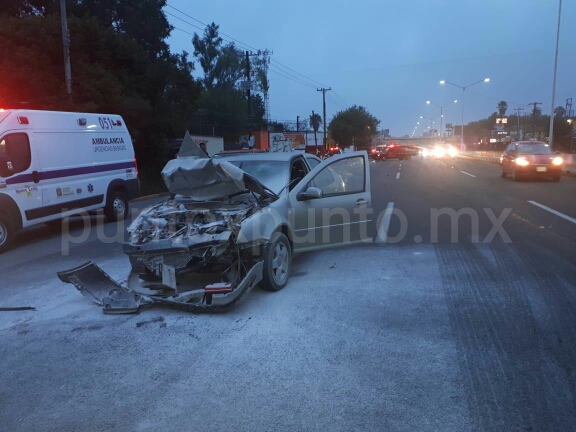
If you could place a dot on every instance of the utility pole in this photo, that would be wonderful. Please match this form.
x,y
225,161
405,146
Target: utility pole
x,y
248,93
297,123
324,90
518,122
66,44
534,106
315,137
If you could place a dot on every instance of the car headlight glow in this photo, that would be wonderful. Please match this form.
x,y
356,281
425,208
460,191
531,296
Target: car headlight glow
x,y
438,152
425,152
452,152
557,161
522,161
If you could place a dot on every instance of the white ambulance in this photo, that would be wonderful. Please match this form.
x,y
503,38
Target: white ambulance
x,y
56,164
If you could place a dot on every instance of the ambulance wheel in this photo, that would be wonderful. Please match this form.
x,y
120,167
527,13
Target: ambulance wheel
x,y
117,207
7,232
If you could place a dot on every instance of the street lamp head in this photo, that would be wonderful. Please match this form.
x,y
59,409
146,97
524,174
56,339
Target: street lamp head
x,y
417,122
486,79
428,102
423,117
455,100
442,82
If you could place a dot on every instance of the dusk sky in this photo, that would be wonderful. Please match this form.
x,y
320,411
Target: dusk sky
x,y
389,56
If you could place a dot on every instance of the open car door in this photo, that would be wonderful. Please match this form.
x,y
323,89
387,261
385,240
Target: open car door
x,y
331,206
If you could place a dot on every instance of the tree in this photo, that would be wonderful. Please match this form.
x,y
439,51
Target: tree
x,y
315,122
113,71
502,107
354,123
207,51
559,112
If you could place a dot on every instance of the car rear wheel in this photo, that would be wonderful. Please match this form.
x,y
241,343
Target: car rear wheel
x,y
504,174
7,232
556,178
277,263
515,176
117,207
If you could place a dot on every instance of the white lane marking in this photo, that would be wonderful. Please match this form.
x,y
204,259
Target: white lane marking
x,y
557,213
468,174
385,224
397,176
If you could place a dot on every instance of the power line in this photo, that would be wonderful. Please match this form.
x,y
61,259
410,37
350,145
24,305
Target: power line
x,y
206,25
281,73
341,100
184,21
239,42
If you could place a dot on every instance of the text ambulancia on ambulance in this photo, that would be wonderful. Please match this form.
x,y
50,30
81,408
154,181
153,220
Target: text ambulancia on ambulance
x,y
57,164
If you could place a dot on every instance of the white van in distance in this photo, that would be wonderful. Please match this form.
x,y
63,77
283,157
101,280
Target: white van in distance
x,y
56,164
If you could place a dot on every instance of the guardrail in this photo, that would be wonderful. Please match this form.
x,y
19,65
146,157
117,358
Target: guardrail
x,y
494,157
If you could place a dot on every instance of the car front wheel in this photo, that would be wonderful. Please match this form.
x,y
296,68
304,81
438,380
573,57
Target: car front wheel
x,y
277,263
117,207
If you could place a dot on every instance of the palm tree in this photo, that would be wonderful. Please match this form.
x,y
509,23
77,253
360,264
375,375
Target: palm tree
x,y
315,122
560,112
502,107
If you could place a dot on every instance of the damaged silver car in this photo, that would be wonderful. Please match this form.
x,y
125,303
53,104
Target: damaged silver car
x,y
230,224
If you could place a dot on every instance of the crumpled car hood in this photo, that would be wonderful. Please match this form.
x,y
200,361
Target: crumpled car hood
x,y
200,178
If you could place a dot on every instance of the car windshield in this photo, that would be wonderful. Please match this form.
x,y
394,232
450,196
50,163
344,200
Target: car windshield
x,y
272,174
534,149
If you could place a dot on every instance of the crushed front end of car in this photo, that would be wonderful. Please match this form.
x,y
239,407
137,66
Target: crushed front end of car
x,y
185,251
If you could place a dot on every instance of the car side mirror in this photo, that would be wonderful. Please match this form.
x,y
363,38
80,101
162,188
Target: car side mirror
x,y
310,194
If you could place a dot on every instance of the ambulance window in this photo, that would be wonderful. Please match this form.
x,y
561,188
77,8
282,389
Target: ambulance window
x,y
15,148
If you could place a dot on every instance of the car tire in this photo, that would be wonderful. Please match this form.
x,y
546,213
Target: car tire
x,y
408,157
277,263
117,207
556,178
515,176
7,232
383,158
504,174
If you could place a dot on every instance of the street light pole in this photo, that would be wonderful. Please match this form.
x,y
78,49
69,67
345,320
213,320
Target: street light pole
x,y
551,134
441,115
463,91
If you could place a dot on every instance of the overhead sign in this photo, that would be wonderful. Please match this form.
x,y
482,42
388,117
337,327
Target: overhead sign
x,y
502,120
448,125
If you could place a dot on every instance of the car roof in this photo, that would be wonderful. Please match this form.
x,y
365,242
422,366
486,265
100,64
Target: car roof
x,y
266,156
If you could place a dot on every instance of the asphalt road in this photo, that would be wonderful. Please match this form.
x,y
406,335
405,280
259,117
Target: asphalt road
x,y
433,327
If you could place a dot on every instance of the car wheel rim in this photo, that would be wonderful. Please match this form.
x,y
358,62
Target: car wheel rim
x,y
119,206
3,234
280,263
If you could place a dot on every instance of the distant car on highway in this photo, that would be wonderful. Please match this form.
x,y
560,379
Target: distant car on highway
x,y
523,159
392,151
441,151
